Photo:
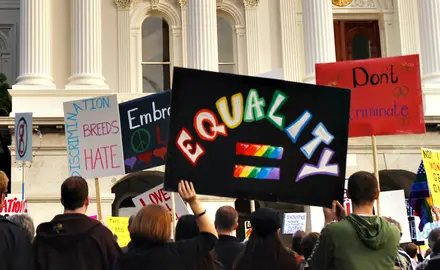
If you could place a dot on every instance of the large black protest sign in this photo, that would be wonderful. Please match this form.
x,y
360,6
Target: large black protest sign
x,y
144,124
256,138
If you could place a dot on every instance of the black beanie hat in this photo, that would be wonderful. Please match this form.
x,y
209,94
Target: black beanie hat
x,y
265,221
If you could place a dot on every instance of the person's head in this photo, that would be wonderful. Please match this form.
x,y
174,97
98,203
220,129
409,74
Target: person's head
x,y
75,195
264,247
434,241
296,241
308,243
226,220
26,223
153,223
4,180
411,250
428,252
186,228
363,188
395,223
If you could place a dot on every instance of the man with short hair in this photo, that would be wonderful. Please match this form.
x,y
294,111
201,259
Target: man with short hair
x,y
360,240
228,246
73,240
15,247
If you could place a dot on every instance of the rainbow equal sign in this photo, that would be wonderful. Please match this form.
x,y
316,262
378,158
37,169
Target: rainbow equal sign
x,y
259,150
253,172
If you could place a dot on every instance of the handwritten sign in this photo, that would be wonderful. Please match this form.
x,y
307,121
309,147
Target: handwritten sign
x,y
23,136
14,206
144,123
386,94
294,222
93,133
257,138
119,227
431,161
158,195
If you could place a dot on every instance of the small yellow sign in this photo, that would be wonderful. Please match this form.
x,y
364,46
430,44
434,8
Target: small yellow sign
x,y
431,161
119,227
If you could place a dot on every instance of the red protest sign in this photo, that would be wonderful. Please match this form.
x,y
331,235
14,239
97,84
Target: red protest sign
x,y
386,94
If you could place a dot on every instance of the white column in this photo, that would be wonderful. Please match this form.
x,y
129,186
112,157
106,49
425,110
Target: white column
x,y
409,32
430,40
252,40
177,47
241,49
124,46
202,34
289,41
184,32
319,39
35,45
86,45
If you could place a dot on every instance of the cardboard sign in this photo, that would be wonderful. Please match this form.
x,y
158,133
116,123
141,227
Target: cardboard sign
x,y
386,95
431,161
144,123
294,222
23,136
393,205
119,227
158,195
14,206
256,138
93,133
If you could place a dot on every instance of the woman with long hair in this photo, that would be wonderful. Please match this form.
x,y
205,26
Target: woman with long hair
x,y
187,228
150,235
264,249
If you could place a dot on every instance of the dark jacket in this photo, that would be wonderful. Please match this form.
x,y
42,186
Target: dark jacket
x,y
227,249
15,247
74,241
144,254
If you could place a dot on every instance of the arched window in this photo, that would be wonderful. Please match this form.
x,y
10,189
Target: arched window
x,y
226,57
156,61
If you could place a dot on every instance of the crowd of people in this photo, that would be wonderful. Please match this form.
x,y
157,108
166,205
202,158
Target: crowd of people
x,y
72,240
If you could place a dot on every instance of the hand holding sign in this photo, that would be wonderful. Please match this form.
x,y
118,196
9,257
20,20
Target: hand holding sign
x,y
337,212
187,192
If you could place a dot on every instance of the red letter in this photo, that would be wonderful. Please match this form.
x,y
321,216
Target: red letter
x,y
215,128
142,202
86,130
164,194
153,198
115,127
190,152
159,141
112,155
88,158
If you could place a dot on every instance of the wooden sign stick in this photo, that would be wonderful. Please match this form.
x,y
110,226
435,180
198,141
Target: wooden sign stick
x,y
376,169
98,198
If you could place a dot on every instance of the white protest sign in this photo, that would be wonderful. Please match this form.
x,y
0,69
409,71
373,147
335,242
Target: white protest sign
x,y
294,222
14,206
93,133
393,205
23,136
158,195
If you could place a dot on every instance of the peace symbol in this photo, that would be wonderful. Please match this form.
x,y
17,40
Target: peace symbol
x,y
401,91
140,140
21,137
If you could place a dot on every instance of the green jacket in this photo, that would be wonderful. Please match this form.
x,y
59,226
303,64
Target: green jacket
x,y
357,243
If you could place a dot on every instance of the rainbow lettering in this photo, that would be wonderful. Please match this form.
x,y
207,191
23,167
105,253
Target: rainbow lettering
x,y
253,172
259,150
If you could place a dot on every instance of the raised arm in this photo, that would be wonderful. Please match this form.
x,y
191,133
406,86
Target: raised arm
x,y
187,192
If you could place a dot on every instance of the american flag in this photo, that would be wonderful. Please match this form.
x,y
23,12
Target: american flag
x,y
419,197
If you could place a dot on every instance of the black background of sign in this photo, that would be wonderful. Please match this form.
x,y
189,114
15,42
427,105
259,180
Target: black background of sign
x,y
213,175
144,105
